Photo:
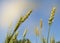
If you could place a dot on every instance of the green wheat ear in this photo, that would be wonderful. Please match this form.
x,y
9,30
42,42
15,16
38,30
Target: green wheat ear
x,y
52,15
50,21
21,20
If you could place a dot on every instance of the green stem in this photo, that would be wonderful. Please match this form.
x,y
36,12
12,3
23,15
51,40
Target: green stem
x,y
48,33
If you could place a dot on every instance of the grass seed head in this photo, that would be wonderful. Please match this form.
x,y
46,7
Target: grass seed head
x,y
22,19
36,31
26,16
41,23
52,15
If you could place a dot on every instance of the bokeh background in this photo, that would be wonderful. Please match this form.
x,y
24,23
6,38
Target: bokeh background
x,y
11,10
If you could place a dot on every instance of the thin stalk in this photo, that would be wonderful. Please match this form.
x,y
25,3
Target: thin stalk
x,y
41,34
48,33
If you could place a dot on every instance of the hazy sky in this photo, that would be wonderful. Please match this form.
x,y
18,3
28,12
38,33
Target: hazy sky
x,y
10,11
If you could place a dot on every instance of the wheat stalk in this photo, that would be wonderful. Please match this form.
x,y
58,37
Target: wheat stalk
x,y
21,20
41,25
36,33
51,20
14,38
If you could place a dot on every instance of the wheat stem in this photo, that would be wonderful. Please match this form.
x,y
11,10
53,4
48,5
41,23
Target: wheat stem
x,y
48,33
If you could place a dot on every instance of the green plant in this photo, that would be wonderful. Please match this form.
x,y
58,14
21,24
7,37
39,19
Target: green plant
x,y
51,21
12,38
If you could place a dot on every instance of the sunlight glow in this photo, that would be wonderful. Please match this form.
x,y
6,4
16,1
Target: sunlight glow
x,y
11,11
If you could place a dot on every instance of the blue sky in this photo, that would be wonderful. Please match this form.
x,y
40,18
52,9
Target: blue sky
x,y
11,10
